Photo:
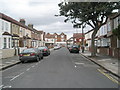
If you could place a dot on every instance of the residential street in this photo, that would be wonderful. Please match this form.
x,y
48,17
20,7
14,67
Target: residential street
x,y
59,70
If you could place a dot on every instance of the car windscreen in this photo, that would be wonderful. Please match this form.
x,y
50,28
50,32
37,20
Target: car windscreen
x,y
28,50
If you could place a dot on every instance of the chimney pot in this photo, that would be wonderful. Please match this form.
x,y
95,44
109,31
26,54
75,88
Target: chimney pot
x,y
22,21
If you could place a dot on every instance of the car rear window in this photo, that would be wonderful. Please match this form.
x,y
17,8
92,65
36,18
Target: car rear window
x,y
28,50
42,47
75,46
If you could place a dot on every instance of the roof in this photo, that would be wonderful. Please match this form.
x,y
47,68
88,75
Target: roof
x,y
6,33
7,18
78,35
48,35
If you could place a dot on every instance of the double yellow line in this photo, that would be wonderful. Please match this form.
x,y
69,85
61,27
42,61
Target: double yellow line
x,y
109,77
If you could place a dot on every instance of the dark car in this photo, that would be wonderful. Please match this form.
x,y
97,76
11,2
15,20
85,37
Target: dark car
x,y
74,49
31,54
44,50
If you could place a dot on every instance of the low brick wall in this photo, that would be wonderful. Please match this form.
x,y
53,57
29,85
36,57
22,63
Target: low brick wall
x,y
116,52
103,51
8,53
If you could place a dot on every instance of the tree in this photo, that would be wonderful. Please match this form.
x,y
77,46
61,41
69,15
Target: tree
x,y
94,14
116,32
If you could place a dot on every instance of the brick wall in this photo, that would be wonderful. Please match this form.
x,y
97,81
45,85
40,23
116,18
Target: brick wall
x,y
8,53
103,50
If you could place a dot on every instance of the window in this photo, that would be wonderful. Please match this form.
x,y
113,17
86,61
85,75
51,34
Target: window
x,y
13,43
56,36
5,43
9,43
2,26
119,20
6,26
109,26
62,36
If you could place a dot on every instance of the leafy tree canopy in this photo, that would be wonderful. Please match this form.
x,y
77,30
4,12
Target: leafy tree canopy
x,y
95,14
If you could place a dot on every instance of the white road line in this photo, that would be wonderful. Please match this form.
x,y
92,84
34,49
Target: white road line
x,y
7,86
78,63
16,76
1,86
33,66
104,60
28,69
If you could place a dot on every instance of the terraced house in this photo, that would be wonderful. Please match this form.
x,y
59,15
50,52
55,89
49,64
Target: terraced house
x,y
16,36
58,39
106,43
5,37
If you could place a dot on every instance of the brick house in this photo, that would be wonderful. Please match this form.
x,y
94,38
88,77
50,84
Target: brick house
x,y
55,39
49,40
16,36
77,38
105,41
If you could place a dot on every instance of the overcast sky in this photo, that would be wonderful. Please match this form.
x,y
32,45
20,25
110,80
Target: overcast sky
x,y
40,13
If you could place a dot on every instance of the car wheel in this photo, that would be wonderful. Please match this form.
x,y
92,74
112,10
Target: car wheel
x,y
38,59
42,57
22,62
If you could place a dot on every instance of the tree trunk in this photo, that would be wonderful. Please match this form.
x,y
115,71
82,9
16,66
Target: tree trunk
x,y
93,48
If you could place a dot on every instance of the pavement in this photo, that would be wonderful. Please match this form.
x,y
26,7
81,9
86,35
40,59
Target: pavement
x,y
61,69
11,61
107,62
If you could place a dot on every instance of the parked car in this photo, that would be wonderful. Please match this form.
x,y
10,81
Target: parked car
x,y
30,54
44,50
56,47
74,49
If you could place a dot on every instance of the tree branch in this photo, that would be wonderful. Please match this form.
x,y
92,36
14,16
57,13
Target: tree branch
x,y
90,24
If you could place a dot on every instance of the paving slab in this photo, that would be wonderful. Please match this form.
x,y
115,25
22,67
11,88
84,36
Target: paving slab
x,y
107,62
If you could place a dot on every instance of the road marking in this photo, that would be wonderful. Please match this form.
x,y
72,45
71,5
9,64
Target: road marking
x,y
75,66
28,69
33,66
1,86
104,60
109,77
7,86
16,76
78,63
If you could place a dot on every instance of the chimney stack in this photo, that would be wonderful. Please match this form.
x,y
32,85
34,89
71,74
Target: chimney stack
x,y
22,21
30,25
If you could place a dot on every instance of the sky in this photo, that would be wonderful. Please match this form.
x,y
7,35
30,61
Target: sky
x,y
40,13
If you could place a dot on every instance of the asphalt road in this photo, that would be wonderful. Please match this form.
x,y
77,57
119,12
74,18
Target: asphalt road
x,y
59,70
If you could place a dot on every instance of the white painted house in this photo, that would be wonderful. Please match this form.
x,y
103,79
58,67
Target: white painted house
x,y
5,38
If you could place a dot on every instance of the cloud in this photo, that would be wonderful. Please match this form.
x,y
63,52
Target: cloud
x,y
40,13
